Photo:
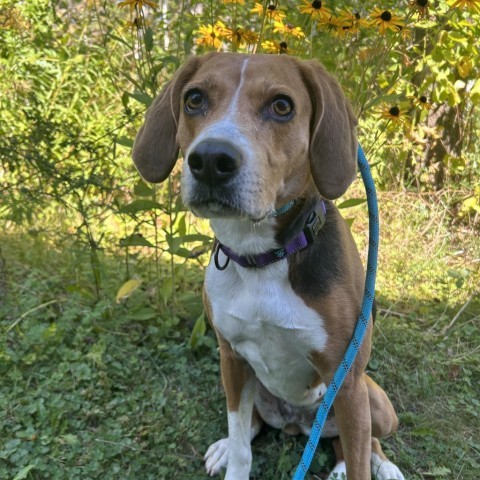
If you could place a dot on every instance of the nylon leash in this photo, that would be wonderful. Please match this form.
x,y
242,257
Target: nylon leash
x,y
362,322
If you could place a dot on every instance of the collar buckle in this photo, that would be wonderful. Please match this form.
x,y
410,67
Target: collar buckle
x,y
314,224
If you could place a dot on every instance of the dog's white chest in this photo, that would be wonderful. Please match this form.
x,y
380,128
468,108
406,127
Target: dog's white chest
x,y
266,323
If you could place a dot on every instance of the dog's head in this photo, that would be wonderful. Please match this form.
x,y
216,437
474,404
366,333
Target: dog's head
x,y
254,130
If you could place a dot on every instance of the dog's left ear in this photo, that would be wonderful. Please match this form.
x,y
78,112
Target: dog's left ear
x,y
155,150
333,141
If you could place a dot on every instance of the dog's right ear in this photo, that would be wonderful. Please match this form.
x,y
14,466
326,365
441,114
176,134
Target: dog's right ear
x,y
155,150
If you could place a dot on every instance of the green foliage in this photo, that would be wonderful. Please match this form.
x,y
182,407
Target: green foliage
x,y
104,345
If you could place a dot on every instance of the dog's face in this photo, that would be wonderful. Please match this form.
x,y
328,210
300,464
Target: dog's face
x,y
253,129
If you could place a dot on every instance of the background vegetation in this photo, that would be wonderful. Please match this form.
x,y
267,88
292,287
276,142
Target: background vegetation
x,y
108,369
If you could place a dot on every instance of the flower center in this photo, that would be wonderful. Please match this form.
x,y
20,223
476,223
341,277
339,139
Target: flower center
x,y
423,99
394,111
316,4
422,3
272,7
283,45
386,16
357,16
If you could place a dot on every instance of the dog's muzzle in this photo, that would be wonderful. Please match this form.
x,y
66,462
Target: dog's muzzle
x,y
214,162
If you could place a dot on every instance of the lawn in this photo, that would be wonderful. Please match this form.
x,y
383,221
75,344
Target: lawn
x,y
93,388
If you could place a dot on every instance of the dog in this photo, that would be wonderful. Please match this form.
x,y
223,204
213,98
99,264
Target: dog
x,y
268,142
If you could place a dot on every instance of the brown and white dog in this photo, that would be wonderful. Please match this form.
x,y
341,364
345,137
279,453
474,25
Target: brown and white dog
x,y
268,141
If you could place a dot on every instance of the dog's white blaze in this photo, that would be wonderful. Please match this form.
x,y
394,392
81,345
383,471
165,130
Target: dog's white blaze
x,y
270,326
234,103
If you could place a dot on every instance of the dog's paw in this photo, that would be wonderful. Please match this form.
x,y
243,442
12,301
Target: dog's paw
x,y
339,472
216,457
385,470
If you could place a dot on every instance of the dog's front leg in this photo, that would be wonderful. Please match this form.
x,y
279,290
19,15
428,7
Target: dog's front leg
x,y
239,384
352,415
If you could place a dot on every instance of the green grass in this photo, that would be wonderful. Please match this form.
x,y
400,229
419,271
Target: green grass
x,y
94,389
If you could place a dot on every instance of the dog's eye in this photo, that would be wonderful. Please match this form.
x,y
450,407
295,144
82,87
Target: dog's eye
x,y
194,101
282,108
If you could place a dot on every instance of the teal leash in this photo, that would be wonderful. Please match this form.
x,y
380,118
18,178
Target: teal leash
x,y
362,323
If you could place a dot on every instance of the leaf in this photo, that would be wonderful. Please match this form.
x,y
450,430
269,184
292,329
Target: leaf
x,y
140,205
142,97
352,202
437,472
182,225
142,189
127,289
142,314
475,92
148,39
125,141
198,331
166,290
135,240
23,472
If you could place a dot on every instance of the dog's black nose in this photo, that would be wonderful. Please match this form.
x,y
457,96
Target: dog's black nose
x,y
214,162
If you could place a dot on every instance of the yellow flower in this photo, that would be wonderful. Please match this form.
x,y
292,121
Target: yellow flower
x,y
473,5
422,102
315,9
420,6
210,35
349,23
386,20
272,12
333,25
287,29
137,4
395,114
274,47
240,2
240,36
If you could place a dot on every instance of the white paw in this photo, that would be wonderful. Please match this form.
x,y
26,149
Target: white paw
x,y
216,457
339,472
385,470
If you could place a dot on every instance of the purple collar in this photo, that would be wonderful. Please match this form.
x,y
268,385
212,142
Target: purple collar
x,y
306,237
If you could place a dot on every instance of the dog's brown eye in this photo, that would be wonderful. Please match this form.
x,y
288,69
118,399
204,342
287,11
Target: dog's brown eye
x,y
194,101
282,107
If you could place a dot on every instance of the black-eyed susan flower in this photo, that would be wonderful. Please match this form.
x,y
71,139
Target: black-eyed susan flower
x,y
210,35
473,5
332,24
386,20
137,4
349,23
270,46
420,6
239,36
287,29
422,102
315,9
272,12
393,113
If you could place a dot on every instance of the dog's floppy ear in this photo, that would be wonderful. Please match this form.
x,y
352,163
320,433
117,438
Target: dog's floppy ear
x,y
155,150
333,141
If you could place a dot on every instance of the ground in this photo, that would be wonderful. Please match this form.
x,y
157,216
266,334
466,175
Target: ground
x,y
92,388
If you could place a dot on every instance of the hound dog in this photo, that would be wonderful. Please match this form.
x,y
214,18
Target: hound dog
x,y
268,142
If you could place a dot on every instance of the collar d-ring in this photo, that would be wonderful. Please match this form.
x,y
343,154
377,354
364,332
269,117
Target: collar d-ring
x,y
215,258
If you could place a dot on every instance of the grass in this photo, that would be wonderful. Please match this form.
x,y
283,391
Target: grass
x,y
96,389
